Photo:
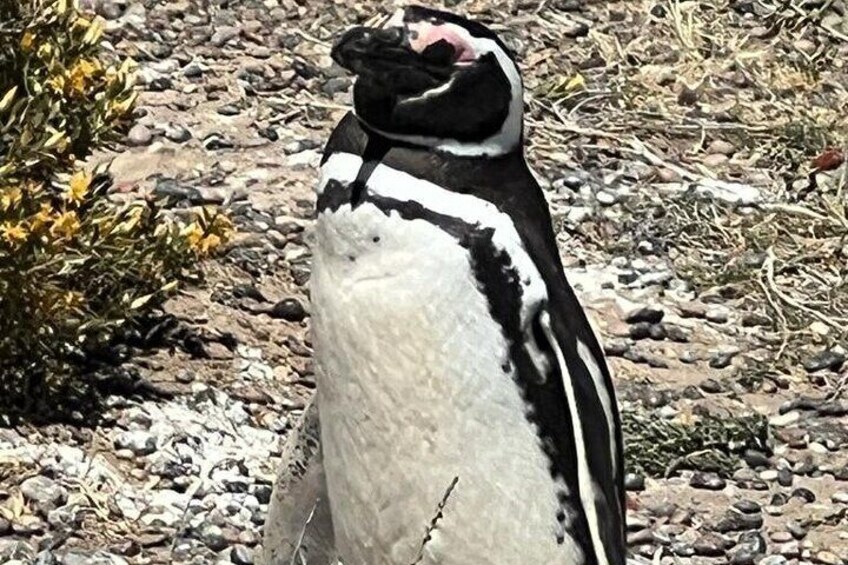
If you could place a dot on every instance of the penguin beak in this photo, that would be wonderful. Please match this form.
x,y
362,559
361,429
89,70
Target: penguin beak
x,y
386,56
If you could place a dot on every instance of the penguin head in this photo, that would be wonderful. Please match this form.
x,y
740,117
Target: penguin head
x,y
435,79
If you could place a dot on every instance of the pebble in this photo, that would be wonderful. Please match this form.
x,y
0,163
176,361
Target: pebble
x,y
773,560
827,359
241,555
139,442
753,319
192,70
215,141
177,134
722,147
722,359
634,482
289,309
710,545
575,29
736,521
747,506
750,546
755,459
45,494
224,34
606,198
795,528
640,330
840,497
783,420
717,315
790,549
693,310
677,334
707,481
804,494
139,136
336,85
711,386
714,159
828,558
213,537
229,110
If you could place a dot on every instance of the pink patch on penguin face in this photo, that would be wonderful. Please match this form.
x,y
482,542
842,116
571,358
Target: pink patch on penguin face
x,y
427,34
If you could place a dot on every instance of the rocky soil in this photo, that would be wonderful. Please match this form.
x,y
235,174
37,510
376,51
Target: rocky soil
x,y
238,98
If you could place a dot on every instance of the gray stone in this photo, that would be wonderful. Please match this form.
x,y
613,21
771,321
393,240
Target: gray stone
x,y
289,309
336,85
213,537
677,334
840,497
229,110
747,506
795,528
45,494
711,545
827,359
722,360
139,136
177,134
773,560
138,441
733,521
241,555
224,34
707,481
717,315
606,198
649,314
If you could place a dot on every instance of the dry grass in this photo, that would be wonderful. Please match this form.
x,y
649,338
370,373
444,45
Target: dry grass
x,y
734,97
678,76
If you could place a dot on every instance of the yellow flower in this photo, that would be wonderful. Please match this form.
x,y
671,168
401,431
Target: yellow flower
x,y
193,234
14,234
78,187
81,75
57,82
10,197
45,50
209,244
42,218
26,41
82,23
65,226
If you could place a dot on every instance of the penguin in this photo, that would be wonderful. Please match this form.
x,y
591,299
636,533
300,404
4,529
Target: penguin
x,y
467,413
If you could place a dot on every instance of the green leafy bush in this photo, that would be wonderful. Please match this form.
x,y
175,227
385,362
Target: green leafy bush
x,y
75,267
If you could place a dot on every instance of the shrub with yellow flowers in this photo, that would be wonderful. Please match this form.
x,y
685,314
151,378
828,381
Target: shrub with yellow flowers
x,y
76,268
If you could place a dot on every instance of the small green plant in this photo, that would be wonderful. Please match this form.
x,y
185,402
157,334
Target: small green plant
x,y
658,447
75,267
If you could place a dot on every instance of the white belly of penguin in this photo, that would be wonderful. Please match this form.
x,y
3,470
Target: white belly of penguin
x,y
414,399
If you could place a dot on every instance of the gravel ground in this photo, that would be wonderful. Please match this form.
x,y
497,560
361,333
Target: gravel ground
x,y
238,98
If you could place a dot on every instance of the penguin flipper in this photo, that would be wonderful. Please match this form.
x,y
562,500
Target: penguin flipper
x,y
299,526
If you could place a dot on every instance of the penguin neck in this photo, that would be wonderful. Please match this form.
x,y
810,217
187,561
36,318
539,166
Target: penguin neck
x,y
378,144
